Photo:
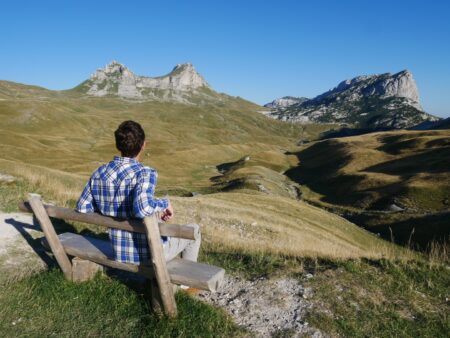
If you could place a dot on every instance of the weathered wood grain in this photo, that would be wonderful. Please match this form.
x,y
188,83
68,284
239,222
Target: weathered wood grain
x,y
159,266
136,225
51,236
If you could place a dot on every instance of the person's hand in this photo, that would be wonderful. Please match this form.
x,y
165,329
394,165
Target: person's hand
x,y
167,213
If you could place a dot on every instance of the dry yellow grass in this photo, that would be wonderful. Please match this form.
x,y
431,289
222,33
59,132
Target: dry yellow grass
x,y
372,170
262,223
244,221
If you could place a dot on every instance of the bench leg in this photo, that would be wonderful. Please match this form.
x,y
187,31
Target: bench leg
x,y
84,270
156,295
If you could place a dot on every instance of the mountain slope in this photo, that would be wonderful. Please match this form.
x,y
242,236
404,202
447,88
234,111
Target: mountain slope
x,y
396,183
376,170
371,101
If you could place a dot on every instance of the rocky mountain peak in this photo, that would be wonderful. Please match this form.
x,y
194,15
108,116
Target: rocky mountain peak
x,y
115,79
114,67
401,84
374,101
186,76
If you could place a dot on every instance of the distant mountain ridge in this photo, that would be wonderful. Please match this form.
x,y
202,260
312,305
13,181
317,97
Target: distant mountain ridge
x,y
117,79
369,101
285,101
182,85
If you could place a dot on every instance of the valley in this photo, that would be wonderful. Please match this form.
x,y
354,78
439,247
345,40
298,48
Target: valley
x,y
395,184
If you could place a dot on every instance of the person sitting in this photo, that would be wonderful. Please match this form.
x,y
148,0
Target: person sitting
x,y
125,188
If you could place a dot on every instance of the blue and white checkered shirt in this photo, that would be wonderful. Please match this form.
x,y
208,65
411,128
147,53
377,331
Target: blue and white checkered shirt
x,y
124,188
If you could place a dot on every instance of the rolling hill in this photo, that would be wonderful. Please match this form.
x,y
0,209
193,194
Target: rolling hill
x,y
398,180
51,141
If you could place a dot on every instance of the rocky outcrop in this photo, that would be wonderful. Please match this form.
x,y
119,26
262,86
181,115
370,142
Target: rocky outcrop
x,y
285,101
369,101
117,80
401,84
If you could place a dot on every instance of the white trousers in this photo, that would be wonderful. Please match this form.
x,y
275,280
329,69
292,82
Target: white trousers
x,y
187,248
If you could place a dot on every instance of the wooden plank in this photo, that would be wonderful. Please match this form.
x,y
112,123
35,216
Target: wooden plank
x,y
194,274
181,271
159,266
51,236
136,225
98,251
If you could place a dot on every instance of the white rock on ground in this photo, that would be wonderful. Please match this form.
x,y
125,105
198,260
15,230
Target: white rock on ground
x,y
266,307
7,178
19,247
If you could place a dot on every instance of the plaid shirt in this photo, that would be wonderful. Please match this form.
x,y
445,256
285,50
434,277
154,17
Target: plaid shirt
x,y
123,188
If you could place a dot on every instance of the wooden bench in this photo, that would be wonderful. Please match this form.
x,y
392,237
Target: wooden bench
x,y
89,254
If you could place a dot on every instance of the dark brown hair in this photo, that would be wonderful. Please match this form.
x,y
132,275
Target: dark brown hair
x,y
129,138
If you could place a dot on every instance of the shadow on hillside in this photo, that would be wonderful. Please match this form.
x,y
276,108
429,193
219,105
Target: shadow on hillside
x,y
320,166
429,161
318,169
347,132
419,231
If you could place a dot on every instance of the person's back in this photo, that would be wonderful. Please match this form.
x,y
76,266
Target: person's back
x,y
125,188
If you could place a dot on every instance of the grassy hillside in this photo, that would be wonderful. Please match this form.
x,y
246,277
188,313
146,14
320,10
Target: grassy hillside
x,y
53,142
374,172
186,142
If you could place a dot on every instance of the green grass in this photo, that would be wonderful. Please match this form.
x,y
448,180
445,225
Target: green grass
x,y
362,176
48,305
381,299
351,298
255,265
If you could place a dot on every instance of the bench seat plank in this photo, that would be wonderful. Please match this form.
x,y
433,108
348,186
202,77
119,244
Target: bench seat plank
x,y
181,271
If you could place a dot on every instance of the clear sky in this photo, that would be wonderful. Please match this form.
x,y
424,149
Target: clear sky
x,y
258,50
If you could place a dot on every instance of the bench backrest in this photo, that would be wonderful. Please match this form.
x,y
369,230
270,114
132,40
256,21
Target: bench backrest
x,y
135,225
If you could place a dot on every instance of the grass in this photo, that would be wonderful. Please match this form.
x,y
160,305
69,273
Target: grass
x,y
359,297
362,176
372,171
385,298
381,299
48,305
248,221
251,222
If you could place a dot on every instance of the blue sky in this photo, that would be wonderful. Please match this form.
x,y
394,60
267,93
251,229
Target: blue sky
x,y
259,50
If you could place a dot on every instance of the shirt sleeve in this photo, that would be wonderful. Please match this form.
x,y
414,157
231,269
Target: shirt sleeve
x,y
85,203
144,203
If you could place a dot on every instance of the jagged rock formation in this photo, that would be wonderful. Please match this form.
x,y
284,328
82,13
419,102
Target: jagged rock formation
x,y
370,101
117,80
285,101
